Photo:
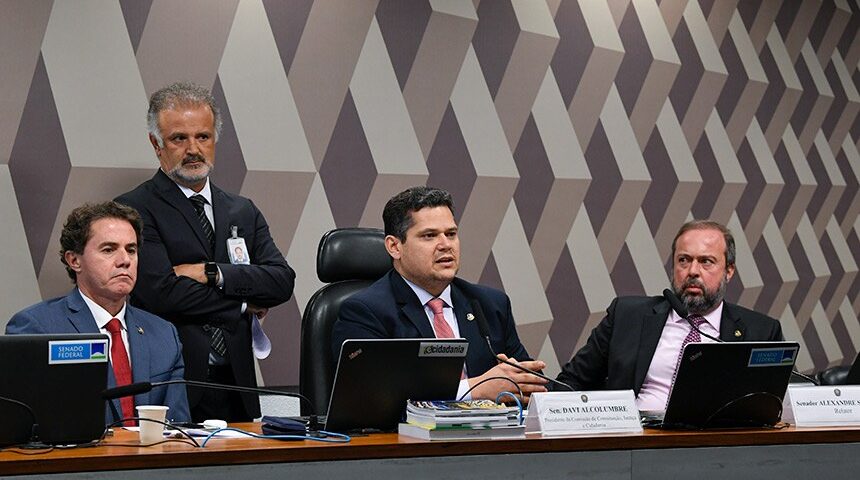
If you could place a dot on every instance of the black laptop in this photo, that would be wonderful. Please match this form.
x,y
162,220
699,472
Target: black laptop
x,y
60,377
375,377
729,385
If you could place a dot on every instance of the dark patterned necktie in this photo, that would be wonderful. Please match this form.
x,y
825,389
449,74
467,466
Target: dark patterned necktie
x,y
692,337
216,335
199,201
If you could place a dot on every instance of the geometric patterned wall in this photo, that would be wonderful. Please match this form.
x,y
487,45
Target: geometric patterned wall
x,y
576,137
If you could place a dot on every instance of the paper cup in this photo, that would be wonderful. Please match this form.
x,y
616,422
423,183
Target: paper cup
x,y
151,432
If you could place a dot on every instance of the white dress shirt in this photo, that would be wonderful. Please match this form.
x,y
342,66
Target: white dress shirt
x,y
102,317
450,318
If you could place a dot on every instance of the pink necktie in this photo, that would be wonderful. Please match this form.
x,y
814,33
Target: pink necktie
x,y
440,326
121,368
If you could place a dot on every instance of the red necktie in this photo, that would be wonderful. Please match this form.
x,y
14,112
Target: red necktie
x,y
121,368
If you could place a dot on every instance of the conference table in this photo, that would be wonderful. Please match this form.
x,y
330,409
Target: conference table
x,y
756,453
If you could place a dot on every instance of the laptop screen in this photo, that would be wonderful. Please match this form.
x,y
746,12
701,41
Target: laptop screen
x,y
375,377
60,377
736,384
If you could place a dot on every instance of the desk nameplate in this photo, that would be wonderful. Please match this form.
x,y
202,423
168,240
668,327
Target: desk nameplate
x,y
833,405
581,413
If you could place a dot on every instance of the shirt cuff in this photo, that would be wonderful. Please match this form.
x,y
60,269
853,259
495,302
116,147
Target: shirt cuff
x,y
244,307
220,282
462,388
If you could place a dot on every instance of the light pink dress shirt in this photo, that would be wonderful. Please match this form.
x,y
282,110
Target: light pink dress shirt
x,y
654,393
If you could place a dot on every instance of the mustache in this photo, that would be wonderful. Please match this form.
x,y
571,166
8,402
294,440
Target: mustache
x,y
193,158
692,282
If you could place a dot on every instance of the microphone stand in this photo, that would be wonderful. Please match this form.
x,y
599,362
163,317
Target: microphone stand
x,y
33,443
484,328
143,387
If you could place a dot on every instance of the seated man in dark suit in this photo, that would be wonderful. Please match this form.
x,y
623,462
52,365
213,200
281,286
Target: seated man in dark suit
x,y
638,344
422,298
99,249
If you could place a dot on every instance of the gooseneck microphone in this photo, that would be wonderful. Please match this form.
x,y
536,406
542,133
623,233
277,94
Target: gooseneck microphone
x,y
131,389
484,328
682,312
33,442
143,387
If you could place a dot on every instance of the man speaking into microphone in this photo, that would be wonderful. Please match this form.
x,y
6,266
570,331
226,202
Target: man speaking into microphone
x,y
421,297
638,343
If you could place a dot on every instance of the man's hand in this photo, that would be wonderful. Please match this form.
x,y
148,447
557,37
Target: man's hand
x,y
193,271
528,383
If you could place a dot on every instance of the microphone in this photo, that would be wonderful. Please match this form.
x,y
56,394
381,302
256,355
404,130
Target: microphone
x,y
484,328
33,442
143,387
128,390
682,312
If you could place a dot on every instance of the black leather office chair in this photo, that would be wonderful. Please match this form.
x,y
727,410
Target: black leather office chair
x,y
348,260
833,375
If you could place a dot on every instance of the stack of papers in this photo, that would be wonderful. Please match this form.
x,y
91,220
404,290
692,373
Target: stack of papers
x,y
452,420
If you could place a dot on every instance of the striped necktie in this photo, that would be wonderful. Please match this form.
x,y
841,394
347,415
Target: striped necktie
x,y
216,334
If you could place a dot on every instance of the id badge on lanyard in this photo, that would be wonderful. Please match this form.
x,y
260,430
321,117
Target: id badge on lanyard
x,y
236,248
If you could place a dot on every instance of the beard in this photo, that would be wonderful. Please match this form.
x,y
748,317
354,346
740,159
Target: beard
x,y
186,177
704,303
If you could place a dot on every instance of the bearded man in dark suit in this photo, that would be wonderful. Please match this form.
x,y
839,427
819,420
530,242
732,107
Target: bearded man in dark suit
x,y
185,272
637,345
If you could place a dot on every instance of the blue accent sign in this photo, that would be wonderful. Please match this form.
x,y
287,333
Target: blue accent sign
x,y
788,356
772,357
76,351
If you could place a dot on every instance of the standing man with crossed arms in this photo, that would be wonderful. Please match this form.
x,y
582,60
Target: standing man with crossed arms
x,y
186,275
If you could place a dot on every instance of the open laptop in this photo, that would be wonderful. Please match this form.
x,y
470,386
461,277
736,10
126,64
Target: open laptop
x,y
728,385
375,377
60,377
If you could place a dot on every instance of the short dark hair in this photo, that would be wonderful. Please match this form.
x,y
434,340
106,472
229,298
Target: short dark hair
x,y
397,215
77,232
709,225
180,94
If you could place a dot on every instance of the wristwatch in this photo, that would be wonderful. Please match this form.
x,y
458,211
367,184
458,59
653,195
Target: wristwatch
x,y
211,271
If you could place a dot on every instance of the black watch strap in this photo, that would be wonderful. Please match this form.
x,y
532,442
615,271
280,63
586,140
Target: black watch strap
x,y
211,271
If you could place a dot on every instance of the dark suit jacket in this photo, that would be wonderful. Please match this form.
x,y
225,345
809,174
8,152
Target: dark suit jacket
x,y
172,236
619,350
390,309
155,354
